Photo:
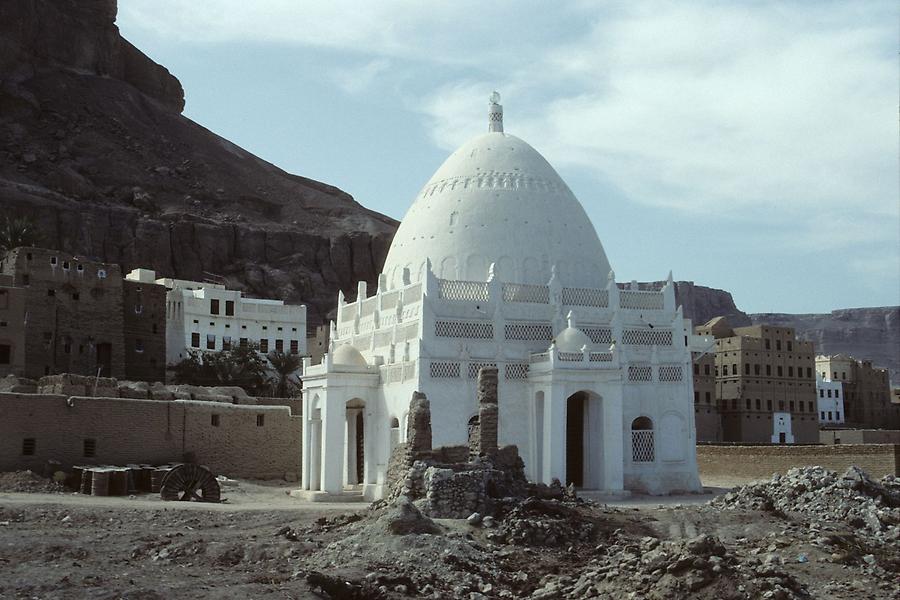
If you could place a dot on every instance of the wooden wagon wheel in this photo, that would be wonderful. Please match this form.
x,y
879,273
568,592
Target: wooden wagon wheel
x,y
190,483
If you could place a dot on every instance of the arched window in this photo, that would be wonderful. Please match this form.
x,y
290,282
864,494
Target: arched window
x,y
642,447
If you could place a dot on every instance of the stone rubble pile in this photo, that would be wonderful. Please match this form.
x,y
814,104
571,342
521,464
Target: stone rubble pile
x,y
854,498
700,567
536,522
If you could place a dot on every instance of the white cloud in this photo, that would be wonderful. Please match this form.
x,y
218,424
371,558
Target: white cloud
x,y
357,79
767,110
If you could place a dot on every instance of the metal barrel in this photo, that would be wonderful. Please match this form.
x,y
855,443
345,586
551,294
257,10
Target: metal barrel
x,y
87,476
74,480
156,479
146,478
100,482
118,482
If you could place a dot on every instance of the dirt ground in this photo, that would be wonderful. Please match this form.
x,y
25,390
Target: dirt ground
x,y
263,543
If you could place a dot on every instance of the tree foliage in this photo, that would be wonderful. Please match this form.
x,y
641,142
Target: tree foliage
x,y
16,232
241,366
285,382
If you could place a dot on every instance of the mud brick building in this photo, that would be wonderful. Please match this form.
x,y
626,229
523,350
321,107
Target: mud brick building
x,y
144,329
12,328
706,409
765,384
866,390
76,316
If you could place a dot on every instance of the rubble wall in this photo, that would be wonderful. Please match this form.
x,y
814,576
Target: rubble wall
x,y
150,431
754,462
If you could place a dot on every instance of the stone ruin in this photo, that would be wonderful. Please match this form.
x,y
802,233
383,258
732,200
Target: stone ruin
x,y
70,384
457,481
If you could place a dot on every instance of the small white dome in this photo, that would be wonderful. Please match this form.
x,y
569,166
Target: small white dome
x,y
348,356
572,339
497,200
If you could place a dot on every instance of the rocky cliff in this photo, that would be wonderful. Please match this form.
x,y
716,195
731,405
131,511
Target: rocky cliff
x,y
94,149
864,333
701,303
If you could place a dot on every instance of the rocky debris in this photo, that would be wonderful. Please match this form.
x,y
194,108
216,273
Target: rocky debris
x,y
18,385
700,567
28,481
815,492
536,522
338,589
403,518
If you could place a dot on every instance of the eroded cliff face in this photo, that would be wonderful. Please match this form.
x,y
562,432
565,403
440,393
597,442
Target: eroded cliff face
x,y
864,333
700,303
93,148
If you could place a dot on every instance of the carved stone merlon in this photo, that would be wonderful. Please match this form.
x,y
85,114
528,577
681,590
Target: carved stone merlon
x,y
669,294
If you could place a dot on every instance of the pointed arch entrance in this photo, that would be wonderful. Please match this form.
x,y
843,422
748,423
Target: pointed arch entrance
x,y
584,460
354,458
575,437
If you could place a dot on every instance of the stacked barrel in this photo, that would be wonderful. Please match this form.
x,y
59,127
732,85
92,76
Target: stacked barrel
x,y
110,480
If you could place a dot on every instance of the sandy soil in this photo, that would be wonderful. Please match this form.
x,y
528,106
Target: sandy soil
x,y
263,543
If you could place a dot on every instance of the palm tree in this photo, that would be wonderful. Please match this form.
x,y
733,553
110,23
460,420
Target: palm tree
x,y
285,366
17,232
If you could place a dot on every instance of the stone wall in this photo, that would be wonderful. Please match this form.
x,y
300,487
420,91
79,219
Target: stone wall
x,y
486,433
260,442
859,436
758,462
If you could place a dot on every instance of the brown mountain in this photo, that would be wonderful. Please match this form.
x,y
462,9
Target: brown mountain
x,y
701,303
94,148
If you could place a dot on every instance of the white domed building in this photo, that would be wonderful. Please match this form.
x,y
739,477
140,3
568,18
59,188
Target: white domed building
x,y
496,263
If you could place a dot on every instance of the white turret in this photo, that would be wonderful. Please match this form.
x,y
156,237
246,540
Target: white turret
x,y
495,114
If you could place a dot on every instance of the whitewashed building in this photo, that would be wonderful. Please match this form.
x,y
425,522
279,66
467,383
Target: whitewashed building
x,y
830,400
206,316
497,263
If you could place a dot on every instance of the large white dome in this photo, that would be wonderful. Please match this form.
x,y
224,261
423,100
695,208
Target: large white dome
x,y
497,200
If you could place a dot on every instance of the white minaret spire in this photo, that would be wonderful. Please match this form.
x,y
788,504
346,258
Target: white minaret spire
x,y
495,114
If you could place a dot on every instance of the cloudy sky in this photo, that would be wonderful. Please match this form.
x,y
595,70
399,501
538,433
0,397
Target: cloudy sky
x,y
750,146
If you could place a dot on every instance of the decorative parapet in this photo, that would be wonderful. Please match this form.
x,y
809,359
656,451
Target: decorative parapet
x,y
554,358
465,291
525,293
641,300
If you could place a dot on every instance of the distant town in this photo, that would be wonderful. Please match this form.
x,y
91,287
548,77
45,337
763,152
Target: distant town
x,y
141,336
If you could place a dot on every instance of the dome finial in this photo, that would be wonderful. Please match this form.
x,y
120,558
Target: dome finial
x,y
495,114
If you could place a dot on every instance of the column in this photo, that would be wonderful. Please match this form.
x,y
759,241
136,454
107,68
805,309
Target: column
x,y
304,444
613,439
315,453
333,429
555,434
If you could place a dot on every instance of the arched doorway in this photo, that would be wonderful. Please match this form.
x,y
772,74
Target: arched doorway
x,y
355,442
576,442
